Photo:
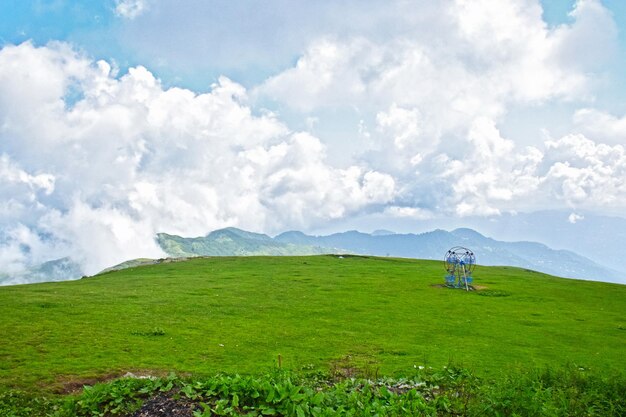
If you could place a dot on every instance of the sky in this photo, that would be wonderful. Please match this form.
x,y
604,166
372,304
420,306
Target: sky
x,y
120,119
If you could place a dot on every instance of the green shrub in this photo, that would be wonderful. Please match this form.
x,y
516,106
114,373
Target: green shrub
x,y
451,391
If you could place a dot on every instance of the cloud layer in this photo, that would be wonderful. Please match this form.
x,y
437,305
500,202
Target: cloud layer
x,y
433,102
93,163
97,164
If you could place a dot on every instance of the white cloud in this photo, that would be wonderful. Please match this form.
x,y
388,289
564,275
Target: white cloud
x,y
486,174
22,247
587,174
101,175
425,91
408,212
438,97
490,173
492,53
93,164
130,9
573,218
10,174
20,192
402,124
601,125
591,42
100,236
327,74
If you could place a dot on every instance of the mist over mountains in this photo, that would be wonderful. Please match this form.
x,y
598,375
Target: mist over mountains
x,y
63,269
428,245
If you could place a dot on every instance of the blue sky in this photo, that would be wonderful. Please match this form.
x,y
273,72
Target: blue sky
x,y
132,117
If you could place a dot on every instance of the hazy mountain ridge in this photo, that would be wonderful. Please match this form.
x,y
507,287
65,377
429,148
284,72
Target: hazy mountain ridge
x,y
599,238
429,245
62,269
233,242
596,237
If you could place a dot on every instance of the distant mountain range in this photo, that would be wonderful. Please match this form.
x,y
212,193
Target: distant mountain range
x,y
62,269
430,245
233,242
600,238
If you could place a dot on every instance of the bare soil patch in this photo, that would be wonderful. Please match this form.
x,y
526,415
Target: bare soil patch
x,y
164,405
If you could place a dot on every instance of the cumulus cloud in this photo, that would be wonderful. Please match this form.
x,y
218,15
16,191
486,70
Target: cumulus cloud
x,y
130,9
592,41
11,174
100,174
404,126
438,99
490,173
587,173
93,163
492,53
601,125
434,94
482,173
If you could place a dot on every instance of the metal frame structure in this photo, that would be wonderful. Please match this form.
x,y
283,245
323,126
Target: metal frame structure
x,y
459,263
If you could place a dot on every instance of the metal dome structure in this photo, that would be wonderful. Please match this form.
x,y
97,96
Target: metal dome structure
x,y
459,263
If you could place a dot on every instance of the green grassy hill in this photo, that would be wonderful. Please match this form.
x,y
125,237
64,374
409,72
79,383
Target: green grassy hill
x,y
238,314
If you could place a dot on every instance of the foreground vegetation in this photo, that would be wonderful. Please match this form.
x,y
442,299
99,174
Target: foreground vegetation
x,y
448,392
332,316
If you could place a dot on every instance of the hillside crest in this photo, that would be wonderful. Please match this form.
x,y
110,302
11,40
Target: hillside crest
x,y
429,245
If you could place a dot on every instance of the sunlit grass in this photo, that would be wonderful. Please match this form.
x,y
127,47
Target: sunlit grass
x,y
238,314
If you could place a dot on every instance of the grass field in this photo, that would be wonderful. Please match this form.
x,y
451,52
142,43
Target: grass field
x,y
377,315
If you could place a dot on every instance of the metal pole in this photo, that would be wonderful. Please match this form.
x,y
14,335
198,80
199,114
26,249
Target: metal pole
x,y
465,278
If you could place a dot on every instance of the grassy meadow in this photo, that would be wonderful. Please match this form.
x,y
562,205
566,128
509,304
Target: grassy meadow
x,y
374,316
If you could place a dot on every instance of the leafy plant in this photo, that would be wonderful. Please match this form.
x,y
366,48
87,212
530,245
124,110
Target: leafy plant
x,y
450,391
156,331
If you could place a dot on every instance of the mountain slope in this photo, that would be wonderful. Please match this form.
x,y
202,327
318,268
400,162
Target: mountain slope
x,y
433,245
233,242
430,245
600,238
